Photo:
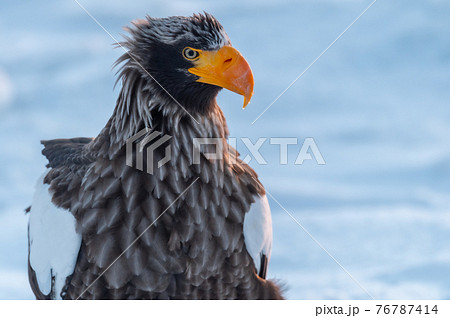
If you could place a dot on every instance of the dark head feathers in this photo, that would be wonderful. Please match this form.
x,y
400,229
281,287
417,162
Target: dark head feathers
x,y
200,29
154,64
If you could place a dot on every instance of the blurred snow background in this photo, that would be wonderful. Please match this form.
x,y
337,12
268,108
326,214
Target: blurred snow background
x,y
377,104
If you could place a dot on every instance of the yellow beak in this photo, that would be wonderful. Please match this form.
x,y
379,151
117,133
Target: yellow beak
x,y
225,68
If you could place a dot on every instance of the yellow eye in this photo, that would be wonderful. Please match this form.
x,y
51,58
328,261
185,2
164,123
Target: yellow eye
x,y
190,54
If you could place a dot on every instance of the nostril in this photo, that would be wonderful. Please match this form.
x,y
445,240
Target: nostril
x,y
227,62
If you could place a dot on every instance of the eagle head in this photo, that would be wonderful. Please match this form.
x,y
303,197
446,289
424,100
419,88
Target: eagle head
x,y
186,59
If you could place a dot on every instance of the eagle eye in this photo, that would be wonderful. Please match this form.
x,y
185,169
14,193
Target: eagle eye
x,y
190,54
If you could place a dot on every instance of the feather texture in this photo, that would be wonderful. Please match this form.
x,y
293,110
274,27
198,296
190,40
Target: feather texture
x,y
183,232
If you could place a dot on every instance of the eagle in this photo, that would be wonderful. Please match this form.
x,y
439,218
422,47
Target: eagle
x,y
198,226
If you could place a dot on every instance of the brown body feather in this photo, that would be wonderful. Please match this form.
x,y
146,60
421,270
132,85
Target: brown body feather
x,y
196,250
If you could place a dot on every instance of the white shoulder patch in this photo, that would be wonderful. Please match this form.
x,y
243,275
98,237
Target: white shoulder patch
x,y
53,242
258,230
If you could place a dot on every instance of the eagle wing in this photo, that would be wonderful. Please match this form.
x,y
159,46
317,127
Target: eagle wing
x,y
258,234
53,242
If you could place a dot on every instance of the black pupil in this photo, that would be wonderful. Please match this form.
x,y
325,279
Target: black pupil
x,y
190,53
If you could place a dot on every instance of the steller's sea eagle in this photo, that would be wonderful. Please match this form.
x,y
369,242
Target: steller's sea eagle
x,y
102,229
